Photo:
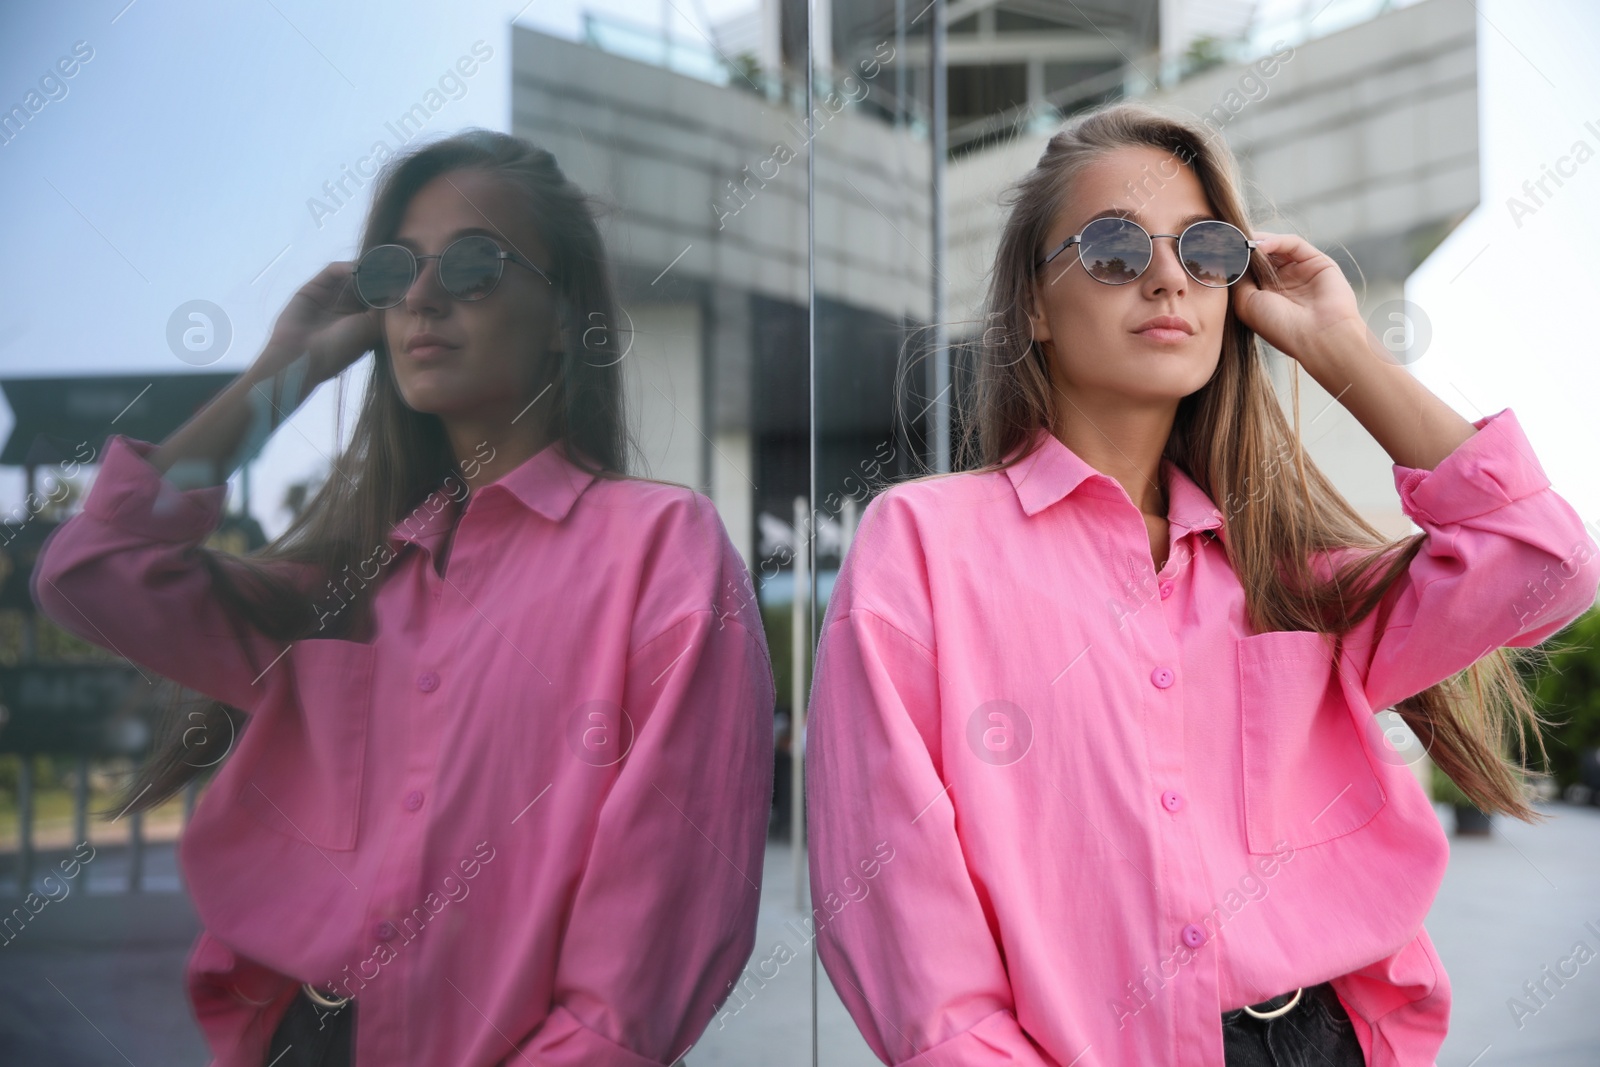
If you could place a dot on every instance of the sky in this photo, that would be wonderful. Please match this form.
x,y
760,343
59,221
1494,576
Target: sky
x,y
182,159
181,162
1508,292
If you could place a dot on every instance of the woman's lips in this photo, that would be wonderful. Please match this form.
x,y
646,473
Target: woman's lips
x,y
1164,334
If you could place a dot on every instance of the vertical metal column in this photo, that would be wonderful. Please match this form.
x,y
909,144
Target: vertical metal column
x,y
939,409
136,852
899,64
80,801
800,649
24,822
798,719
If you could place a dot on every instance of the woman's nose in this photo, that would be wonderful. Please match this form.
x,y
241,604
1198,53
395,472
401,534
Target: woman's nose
x,y
426,290
1166,267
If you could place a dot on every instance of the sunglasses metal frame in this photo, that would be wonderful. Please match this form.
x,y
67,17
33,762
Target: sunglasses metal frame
x,y
1077,238
416,267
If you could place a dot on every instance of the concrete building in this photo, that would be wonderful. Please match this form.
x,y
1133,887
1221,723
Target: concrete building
x,y
1365,141
706,186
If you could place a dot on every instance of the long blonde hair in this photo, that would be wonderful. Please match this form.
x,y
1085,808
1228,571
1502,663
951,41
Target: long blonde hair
x,y
399,458
1225,435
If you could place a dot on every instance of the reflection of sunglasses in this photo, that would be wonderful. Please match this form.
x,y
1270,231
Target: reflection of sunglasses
x,y
1116,251
469,269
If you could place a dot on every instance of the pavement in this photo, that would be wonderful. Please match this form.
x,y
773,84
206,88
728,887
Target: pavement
x,y
95,978
1513,903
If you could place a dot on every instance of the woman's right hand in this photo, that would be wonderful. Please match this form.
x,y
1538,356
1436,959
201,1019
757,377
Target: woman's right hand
x,y
327,319
328,324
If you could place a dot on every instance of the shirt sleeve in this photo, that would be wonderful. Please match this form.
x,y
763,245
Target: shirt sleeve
x,y
899,925
664,917
123,574
1506,561
1399,1005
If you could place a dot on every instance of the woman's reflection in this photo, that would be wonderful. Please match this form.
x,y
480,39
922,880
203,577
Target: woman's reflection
x,y
492,721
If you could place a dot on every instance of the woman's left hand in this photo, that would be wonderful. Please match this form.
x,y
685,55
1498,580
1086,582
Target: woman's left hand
x,y
1314,298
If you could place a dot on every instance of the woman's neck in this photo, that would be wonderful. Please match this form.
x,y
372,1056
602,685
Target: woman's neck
x,y
1128,447
487,451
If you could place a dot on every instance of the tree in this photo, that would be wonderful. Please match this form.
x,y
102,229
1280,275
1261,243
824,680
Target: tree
x,y
1567,687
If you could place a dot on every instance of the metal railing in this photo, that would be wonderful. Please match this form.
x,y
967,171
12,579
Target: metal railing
x,y
26,864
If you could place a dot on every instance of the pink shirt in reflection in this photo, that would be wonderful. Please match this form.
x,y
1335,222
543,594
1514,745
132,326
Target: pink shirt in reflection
x,y
524,823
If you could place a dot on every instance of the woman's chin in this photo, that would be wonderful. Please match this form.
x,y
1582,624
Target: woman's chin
x,y
433,401
1171,369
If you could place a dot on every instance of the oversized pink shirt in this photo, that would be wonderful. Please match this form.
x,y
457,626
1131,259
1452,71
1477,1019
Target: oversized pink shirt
x,y
1113,812
523,824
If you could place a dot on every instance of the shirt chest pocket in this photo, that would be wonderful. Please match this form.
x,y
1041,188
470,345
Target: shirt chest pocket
x,y
311,749
1307,778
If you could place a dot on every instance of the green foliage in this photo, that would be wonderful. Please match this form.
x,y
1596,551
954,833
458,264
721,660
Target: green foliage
x,y
778,621
1567,689
746,69
1204,53
49,772
1446,791
52,644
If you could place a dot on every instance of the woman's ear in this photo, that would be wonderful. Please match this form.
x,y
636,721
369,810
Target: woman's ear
x,y
1036,317
556,338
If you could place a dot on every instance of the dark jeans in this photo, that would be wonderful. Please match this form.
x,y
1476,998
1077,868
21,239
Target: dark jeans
x,y
1316,1032
313,1036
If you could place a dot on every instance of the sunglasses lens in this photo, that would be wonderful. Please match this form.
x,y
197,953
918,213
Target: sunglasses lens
x,y
384,274
470,268
1215,253
1114,251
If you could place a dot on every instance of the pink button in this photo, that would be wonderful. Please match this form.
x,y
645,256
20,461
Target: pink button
x,y
427,681
1166,590
1193,936
1161,677
413,800
1172,800
383,931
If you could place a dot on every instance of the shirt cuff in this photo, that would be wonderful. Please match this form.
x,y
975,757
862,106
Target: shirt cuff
x,y
563,1040
1494,467
996,1039
130,494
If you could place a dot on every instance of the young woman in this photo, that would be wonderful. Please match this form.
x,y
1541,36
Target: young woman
x,y
1106,699
501,752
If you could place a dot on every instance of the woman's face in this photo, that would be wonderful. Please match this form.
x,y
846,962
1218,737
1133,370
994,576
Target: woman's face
x,y
502,350
1090,330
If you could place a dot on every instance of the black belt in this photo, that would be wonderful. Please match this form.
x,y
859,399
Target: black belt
x,y
310,1035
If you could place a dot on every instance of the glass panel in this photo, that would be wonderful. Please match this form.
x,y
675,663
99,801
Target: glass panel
x,y
878,380
509,760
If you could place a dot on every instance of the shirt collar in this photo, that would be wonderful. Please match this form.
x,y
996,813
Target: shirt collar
x,y
1051,471
546,482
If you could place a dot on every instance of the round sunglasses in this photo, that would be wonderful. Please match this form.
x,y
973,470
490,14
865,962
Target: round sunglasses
x,y
1116,251
469,269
